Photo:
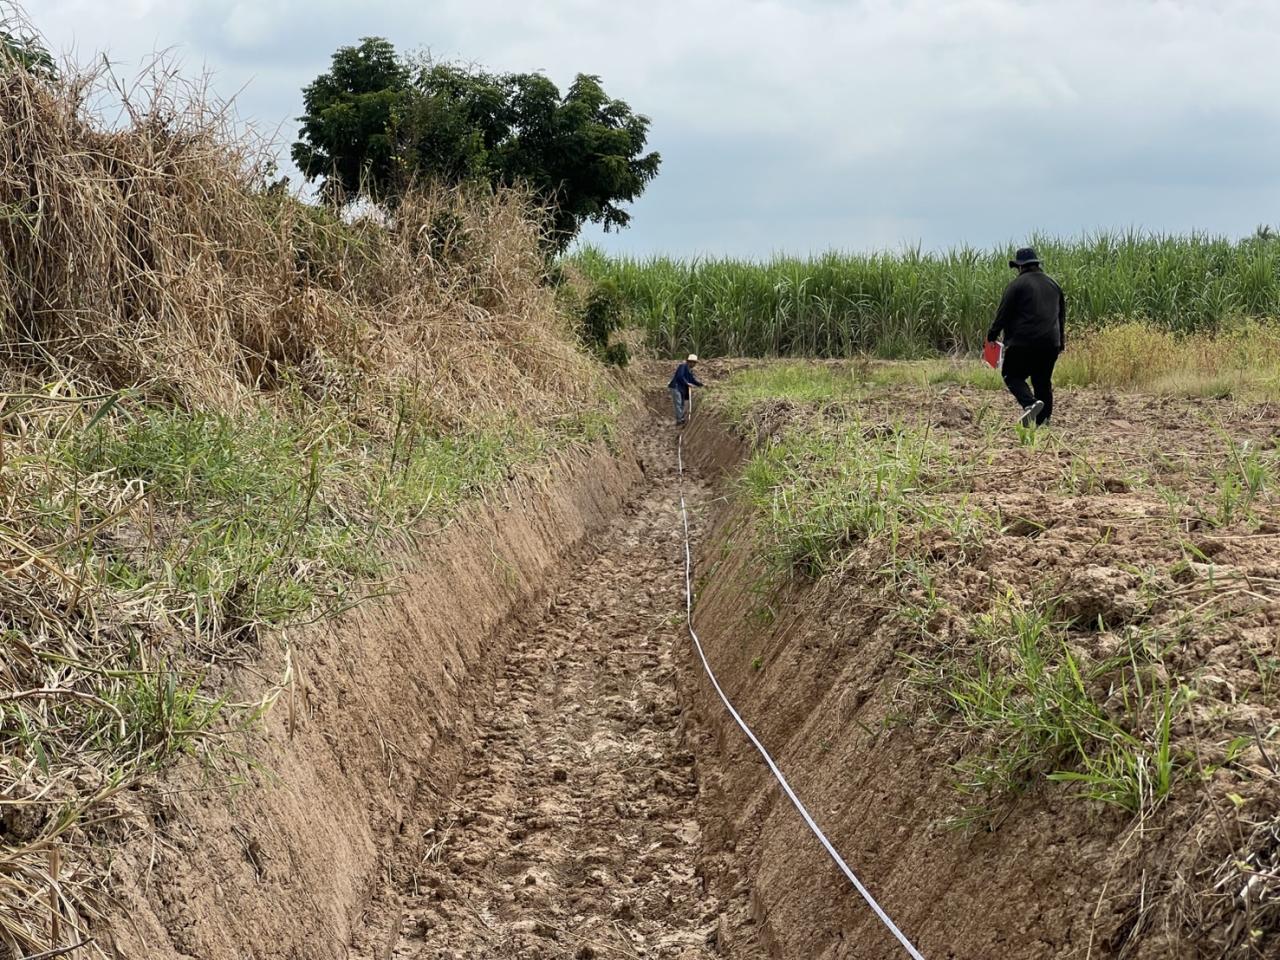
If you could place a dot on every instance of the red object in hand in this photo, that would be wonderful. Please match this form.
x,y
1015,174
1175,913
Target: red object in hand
x,y
993,353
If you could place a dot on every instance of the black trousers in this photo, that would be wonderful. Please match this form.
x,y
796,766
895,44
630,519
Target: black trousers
x,y
1035,363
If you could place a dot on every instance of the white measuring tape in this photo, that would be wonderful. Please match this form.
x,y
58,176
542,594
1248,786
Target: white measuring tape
x,y
773,767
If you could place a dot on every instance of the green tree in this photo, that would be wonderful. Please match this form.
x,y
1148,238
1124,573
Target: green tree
x,y
456,121
582,153
349,130
26,52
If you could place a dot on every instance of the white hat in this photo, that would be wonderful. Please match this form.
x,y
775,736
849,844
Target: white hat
x,y
693,358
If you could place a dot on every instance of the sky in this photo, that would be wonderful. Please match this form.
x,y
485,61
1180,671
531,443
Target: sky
x,y
800,126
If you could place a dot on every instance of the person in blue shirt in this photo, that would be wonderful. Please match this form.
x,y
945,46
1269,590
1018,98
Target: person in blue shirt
x,y
680,385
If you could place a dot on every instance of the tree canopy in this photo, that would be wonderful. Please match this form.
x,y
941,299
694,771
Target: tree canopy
x,y
26,52
376,122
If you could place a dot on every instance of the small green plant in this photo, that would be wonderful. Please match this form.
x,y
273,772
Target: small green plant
x,y
1028,436
604,312
163,717
1247,474
1080,477
757,663
1027,699
1267,668
919,601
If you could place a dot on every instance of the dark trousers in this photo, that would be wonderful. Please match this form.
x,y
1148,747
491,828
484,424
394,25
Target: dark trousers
x,y
1035,363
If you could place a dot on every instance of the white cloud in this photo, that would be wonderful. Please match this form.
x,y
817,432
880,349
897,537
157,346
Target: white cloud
x,y
827,122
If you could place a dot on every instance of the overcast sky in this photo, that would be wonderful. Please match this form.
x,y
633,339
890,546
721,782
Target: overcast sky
x,y
803,125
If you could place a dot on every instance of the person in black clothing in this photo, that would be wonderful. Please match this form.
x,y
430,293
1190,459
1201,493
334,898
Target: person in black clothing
x,y
1033,317
679,387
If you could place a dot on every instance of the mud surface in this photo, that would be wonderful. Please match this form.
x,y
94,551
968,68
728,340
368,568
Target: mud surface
x,y
573,832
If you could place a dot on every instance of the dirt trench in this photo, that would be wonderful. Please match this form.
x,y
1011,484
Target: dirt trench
x,y
574,831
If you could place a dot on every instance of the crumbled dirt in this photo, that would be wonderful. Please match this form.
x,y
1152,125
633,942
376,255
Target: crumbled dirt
x,y
1101,594
1119,523
574,831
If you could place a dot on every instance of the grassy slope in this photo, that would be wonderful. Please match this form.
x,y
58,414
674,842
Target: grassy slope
x,y
1121,705
223,411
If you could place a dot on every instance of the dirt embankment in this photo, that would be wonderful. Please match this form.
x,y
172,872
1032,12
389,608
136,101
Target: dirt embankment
x,y
362,750
818,671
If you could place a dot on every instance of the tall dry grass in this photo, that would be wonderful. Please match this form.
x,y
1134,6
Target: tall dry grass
x,y
1242,359
151,254
150,269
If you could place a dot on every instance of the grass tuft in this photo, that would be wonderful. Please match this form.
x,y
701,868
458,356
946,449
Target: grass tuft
x,y
1037,709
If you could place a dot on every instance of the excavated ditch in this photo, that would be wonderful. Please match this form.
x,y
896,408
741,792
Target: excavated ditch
x,y
520,757
574,830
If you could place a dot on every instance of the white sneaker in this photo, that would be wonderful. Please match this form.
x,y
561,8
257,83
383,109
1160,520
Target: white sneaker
x,y
1029,415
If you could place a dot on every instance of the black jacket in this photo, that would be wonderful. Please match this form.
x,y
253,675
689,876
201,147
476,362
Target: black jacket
x,y
1032,313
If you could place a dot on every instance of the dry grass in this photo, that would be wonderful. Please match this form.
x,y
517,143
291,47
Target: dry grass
x,y
152,281
1241,360
152,255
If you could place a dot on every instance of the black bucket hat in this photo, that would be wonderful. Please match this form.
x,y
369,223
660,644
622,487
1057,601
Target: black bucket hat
x,y
1024,257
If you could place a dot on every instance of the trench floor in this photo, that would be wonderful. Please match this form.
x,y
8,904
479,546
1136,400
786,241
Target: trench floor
x,y
574,832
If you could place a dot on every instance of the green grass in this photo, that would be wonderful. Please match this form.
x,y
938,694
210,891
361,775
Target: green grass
x,y
815,384
1038,710
798,382
279,516
1246,476
912,305
822,489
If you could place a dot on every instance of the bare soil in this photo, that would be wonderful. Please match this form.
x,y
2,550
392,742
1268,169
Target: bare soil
x,y
574,832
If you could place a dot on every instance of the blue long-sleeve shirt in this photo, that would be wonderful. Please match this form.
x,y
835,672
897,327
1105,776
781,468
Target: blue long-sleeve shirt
x,y
683,379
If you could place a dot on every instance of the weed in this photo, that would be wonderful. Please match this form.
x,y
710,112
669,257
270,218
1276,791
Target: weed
x,y
1080,477
1241,481
824,489
919,600
797,382
1026,697
1028,436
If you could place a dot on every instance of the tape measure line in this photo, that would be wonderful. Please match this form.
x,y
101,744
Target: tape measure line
x,y
773,767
